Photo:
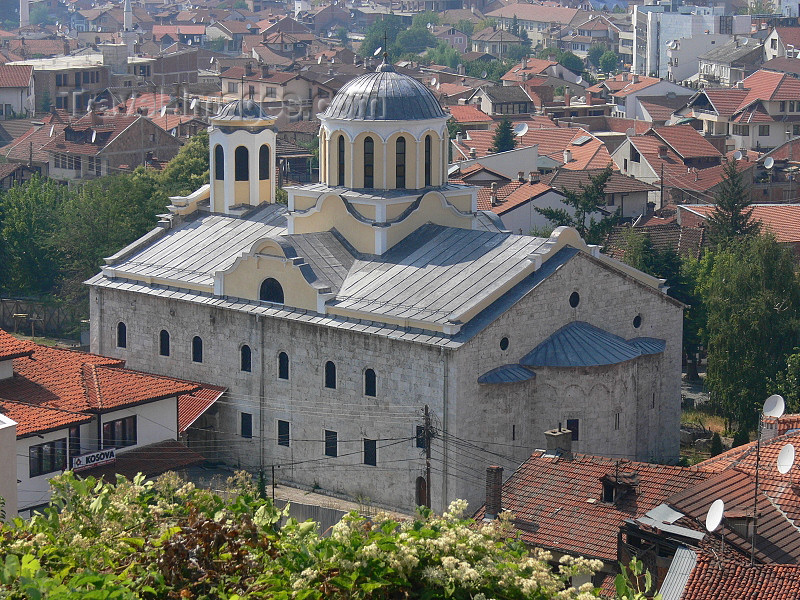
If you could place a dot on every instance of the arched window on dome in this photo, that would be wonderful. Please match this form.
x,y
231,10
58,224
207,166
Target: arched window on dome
x,y
340,164
263,162
271,291
427,160
369,162
219,162
400,163
241,164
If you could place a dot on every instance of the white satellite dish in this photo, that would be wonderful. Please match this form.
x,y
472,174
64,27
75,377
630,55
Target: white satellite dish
x,y
774,406
377,51
429,25
769,162
520,129
483,74
319,60
786,459
745,41
714,515
163,110
193,104
579,80
433,81
52,129
174,132
737,155
94,136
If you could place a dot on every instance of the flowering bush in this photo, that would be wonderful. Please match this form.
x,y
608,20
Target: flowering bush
x,y
167,539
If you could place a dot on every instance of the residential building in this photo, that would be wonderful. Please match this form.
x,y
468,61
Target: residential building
x,y
599,30
730,63
27,149
336,319
782,42
494,41
537,19
231,33
191,35
75,410
502,100
623,90
684,56
17,97
624,194
452,36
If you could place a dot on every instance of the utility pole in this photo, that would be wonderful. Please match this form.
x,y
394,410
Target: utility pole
x,y
428,437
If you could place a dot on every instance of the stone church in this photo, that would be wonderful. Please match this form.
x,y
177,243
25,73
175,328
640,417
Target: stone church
x,y
334,321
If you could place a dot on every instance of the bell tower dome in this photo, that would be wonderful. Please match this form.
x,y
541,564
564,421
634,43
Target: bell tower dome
x,y
242,147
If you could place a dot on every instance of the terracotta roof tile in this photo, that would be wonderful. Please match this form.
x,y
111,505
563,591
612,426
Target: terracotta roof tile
x,y
616,184
469,113
194,404
510,195
686,141
15,76
688,241
704,180
726,101
789,35
783,220
534,66
668,163
11,347
107,126
727,580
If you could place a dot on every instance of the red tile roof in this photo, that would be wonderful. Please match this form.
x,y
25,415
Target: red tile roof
x,y
15,76
107,127
686,141
537,13
783,220
789,35
666,162
194,404
789,150
510,195
11,347
623,84
754,113
616,184
469,113
728,580
557,503
704,180
534,66
726,101
32,141
148,100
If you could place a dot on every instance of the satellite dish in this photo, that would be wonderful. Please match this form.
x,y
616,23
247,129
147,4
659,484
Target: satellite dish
x,y
52,129
319,60
163,110
769,162
714,515
737,155
786,459
174,132
189,42
429,26
579,80
520,129
483,74
774,405
377,51
193,104
433,81
94,136
745,41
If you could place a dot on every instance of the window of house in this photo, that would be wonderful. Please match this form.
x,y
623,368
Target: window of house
x,y
428,143
197,349
85,77
574,299
48,457
77,164
616,421
773,44
283,365
283,433
163,343
271,291
331,443
795,129
120,433
608,492
635,157
233,87
370,452
122,335
400,163
763,130
245,359
241,164
782,106
271,92
791,105
219,163
370,383
574,426
263,162
251,91
75,440
340,169
59,79
330,375
369,162
246,422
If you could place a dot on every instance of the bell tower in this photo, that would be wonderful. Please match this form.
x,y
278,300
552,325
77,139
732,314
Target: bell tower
x,y
242,145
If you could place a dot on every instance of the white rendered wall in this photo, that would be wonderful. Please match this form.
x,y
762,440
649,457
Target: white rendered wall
x,y
8,471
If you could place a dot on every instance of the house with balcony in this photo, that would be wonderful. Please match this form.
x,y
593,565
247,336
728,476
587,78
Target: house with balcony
x,y
730,63
537,20
623,91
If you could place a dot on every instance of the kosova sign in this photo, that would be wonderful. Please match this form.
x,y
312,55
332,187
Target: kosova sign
x,y
94,459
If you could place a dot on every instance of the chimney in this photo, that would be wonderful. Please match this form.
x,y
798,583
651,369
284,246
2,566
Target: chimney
x,y
534,177
521,176
559,441
662,152
495,201
696,175
635,78
567,156
248,69
473,153
589,98
459,138
524,62
494,492
567,98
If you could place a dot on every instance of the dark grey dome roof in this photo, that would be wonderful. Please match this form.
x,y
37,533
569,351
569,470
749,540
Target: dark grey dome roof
x,y
242,109
384,95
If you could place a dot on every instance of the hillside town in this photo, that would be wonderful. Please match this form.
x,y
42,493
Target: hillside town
x,y
534,260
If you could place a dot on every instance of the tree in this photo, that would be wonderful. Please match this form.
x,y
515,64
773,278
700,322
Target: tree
x,y
342,36
787,382
609,61
414,40
571,62
585,204
732,217
421,20
465,26
516,52
716,445
443,54
189,169
752,297
594,54
389,26
504,138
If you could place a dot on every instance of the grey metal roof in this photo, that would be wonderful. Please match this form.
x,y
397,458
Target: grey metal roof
x,y
507,374
664,513
683,563
241,110
648,345
579,344
328,254
733,51
385,95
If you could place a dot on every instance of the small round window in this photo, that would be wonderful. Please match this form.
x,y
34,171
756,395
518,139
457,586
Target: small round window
x,y
574,299
637,321
504,344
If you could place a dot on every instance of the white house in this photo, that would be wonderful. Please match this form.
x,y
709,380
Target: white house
x,y
16,91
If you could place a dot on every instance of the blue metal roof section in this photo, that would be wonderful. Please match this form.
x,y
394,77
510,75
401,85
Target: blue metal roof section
x,y
648,345
507,374
579,344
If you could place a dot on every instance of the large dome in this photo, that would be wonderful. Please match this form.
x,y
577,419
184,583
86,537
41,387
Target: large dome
x,y
384,95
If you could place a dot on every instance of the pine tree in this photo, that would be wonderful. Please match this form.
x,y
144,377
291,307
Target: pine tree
x,y
504,138
732,217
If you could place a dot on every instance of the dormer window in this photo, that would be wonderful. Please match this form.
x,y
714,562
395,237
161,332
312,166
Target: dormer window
x,y
609,492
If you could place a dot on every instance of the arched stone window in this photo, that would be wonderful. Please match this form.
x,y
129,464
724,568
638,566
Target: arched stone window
x,y
163,343
241,164
122,335
271,291
369,162
330,375
283,365
340,180
421,492
370,383
400,163
197,349
219,162
428,160
246,359
263,162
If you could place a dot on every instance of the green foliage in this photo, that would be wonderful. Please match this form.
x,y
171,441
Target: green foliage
x,y
465,26
341,34
239,4
634,583
608,61
189,169
443,54
495,69
517,52
414,40
732,216
716,445
45,102
389,26
594,54
504,138
585,204
421,20
40,14
167,539
752,297
567,59
787,382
